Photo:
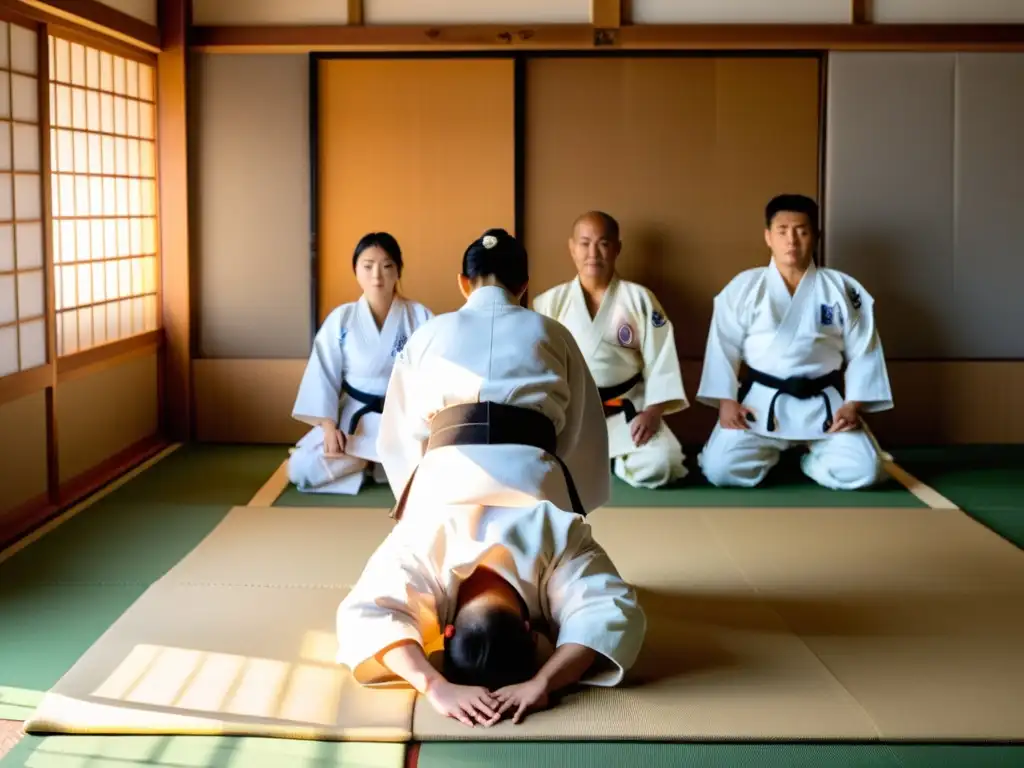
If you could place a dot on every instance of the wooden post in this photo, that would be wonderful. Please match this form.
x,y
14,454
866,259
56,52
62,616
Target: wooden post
x,y
175,275
355,12
606,14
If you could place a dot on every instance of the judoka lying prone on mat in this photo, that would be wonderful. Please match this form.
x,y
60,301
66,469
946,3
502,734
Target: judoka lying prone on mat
x,y
488,581
490,413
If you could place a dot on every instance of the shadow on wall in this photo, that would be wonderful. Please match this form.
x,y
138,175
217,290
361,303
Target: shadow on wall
x,y
911,328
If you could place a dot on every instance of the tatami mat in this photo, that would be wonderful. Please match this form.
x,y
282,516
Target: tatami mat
x,y
238,638
198,752
785,486
519,754
765,625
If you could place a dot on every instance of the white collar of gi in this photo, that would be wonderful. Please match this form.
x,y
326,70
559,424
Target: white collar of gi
x,y
490,294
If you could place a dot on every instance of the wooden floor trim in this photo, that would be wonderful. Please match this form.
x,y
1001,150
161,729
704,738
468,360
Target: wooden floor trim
x,y
99,487
925,493
272,489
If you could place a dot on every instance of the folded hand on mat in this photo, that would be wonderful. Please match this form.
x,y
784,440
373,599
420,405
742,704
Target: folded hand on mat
x,y
522,698
467,704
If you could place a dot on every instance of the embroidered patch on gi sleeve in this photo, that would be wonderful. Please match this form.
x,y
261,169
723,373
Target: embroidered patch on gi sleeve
x,y
625,334
854,295
341,335
657,319
399,344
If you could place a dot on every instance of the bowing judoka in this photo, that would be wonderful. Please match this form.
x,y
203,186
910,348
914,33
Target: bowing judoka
x,y
629,344
342,389
494,443
793,326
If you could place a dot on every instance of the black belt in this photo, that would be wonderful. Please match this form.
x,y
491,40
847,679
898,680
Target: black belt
x,y
371,403
492,424
801,387
617,390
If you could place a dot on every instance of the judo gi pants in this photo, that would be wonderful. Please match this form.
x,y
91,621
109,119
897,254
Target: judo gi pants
x,y
656,463
842,461
312,472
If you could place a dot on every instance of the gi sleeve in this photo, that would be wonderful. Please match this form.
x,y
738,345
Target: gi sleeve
x,y
583,442
867,379
663,377
403,432
395,599
591,605
320,389
723,352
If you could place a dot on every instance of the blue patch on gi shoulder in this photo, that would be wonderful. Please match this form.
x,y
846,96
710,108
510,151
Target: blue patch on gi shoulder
x,y
341,335
657,319
399,345
832,315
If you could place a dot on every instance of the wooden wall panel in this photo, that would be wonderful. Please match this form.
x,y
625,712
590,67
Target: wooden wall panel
x,y
251,204
22,451
143,10
476,12
259,12
742,12
947,11
102,414
423,149
684,152
247,401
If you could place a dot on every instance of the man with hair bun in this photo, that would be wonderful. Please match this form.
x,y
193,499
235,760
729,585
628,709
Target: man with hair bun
x,y
494,443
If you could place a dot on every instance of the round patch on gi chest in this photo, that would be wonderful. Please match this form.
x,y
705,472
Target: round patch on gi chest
x,y
625,335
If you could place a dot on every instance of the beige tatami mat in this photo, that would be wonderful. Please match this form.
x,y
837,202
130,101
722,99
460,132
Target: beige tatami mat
x,y
238,638
847,624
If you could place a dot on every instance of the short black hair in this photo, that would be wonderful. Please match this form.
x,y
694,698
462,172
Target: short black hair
x,y
791,204
497,253
492,649
385,242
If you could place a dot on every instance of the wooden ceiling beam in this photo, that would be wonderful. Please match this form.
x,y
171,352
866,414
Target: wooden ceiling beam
x,y
579,37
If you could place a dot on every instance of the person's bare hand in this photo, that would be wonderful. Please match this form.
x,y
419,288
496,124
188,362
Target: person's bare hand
x,y
644,425
846,418
525,697
335,441
733,415
467,704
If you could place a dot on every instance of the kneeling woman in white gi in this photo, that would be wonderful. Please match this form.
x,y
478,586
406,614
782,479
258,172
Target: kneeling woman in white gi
x,y
342,391
491,419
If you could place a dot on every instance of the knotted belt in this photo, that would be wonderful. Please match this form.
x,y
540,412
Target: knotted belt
x,y
371,404
801,387
611,398
492,424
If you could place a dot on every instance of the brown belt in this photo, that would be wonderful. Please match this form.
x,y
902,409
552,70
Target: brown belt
x,y
492,424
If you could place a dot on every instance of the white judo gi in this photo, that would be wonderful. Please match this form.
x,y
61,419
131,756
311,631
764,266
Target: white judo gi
x,y
409,588
349,352
502,506
630,335
828,320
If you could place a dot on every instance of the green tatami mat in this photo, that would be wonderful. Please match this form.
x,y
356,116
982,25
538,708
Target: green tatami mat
x,y
59,594
636,755
370,495
785,486
986,481
206,474
197,752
